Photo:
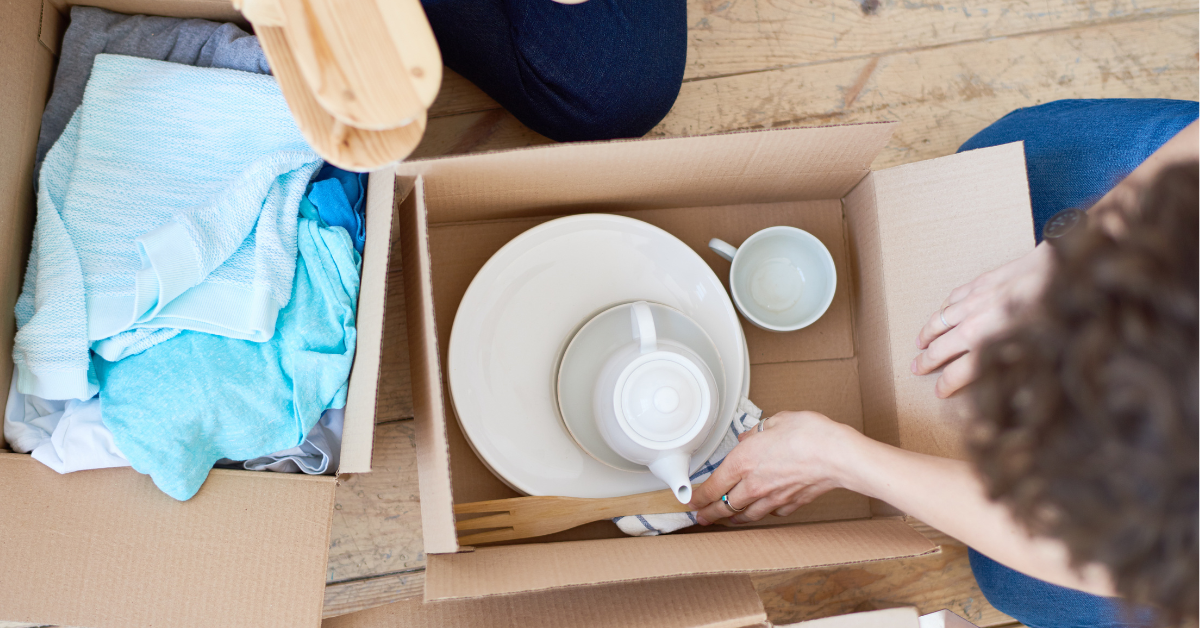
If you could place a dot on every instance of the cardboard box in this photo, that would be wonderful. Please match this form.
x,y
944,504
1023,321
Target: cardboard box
x,y
901,239
106,548
704,602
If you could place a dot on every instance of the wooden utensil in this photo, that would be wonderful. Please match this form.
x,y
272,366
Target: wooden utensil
x,y
344,146
358,75
524,517
372,64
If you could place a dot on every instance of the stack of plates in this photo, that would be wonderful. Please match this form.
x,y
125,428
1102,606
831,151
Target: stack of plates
x,y
527,304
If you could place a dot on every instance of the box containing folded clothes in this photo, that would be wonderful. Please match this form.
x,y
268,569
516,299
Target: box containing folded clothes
x,y
192,317
511,240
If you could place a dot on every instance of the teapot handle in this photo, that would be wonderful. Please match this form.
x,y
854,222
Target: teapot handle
x,y
643,326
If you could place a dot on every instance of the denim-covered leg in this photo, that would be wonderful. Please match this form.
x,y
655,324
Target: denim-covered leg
x,y
1039,604
1077,150
598,70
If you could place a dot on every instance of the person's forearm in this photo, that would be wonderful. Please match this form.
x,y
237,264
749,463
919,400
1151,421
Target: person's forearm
x,y
948,495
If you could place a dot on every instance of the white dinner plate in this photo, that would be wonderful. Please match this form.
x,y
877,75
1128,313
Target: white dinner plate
x,y
526,304
592,346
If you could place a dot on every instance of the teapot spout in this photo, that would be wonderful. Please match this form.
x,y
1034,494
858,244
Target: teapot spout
x,y
672,468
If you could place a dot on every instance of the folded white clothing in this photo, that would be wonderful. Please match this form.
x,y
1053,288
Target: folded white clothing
x,y
66,436
69,436
747,417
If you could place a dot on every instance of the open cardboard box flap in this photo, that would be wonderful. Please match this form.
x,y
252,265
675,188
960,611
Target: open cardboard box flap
x,y
106,548
912,233
701,602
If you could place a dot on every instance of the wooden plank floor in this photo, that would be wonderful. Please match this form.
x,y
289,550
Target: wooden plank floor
x,y
944,69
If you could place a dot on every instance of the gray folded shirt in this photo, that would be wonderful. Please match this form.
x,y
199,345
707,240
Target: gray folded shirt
x,y
94,31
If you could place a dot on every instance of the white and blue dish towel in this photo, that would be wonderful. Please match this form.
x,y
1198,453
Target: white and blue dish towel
x,y
748,416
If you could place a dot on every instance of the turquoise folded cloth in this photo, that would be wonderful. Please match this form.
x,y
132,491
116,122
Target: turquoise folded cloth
x,y
178,407
169,201
338,196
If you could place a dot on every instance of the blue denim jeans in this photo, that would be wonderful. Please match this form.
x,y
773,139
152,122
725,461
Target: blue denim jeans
x,y
1075,152
599,70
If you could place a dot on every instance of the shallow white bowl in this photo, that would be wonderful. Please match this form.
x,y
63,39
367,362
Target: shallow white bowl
x,y
608,333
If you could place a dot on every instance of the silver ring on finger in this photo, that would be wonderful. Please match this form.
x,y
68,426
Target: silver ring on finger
x,y
762,425
942,316
725,500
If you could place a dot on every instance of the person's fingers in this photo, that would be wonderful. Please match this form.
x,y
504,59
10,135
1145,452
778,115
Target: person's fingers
x,y
787,509
724,478
934,327
717,510
941,351
958,374
713,512
760,508
959,293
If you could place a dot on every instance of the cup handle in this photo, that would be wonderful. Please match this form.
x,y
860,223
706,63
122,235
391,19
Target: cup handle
x,y
723,248
643,326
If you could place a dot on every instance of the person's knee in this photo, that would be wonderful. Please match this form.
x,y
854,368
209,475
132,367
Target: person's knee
x,y
616,75
617,105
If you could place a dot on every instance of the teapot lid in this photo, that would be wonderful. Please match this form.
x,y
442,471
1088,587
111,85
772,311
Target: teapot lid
x,y
662,397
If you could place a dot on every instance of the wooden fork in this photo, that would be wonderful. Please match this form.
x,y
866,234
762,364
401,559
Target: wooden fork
x,y
524,517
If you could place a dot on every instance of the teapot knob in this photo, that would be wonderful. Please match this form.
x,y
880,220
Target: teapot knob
x,y
643,326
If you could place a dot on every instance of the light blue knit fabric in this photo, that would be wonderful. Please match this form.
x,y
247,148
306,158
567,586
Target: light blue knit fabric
x,y
168,202
180,406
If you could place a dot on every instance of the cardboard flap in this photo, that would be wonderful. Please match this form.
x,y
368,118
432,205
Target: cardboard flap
x,y
429,410
359,430
937,224
746,167
709,602
216,10
903,617
107,549
50,31
25,72
516,568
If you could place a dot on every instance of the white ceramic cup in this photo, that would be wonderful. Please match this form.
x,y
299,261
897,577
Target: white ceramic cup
x,y
781,278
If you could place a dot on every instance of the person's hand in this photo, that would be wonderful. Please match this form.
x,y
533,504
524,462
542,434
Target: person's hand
x,y
973,314
791,462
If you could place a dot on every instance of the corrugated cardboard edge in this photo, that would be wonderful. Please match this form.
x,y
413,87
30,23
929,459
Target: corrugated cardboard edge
x,y
809,163
359,430
25,74
700,602
504,570
429,412
418,165
50,30
902,617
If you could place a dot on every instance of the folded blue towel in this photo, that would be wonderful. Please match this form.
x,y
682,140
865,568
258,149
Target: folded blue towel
x,y
180,406
169,201
338,196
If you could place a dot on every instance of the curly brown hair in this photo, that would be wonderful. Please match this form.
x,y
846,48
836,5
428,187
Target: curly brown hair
x,y
1087,410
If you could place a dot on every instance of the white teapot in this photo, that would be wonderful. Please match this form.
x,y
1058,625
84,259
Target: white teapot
x,y
655,403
